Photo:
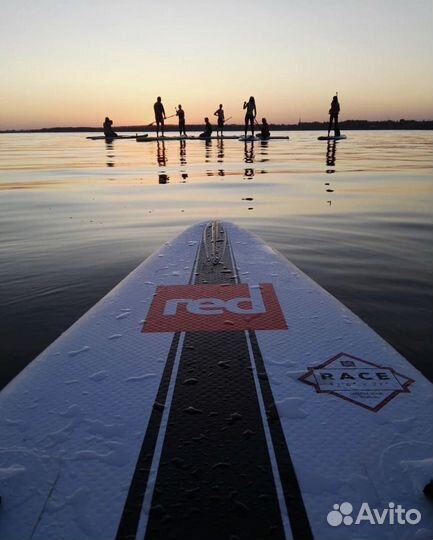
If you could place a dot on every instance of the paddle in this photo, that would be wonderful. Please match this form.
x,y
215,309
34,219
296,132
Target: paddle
x,y
151,123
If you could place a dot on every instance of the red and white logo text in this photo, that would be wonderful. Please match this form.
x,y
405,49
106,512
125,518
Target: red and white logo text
x,y
214,308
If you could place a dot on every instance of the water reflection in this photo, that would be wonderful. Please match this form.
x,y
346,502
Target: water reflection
x,y
182,152
263,150
110,152
249,152
220,146
331,150
161,156
208,151
249,158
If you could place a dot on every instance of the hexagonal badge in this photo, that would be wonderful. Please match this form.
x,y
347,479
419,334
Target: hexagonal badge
x,y
359,381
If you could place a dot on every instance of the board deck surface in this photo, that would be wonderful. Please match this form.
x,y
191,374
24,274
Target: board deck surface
x,y
217,392
332,138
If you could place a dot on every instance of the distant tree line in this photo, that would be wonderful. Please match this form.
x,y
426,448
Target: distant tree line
x,y
300,126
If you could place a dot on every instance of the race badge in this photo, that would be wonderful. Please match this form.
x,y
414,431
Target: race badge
x,y
214,308
359,381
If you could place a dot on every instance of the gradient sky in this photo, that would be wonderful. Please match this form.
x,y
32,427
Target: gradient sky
x,y
72,62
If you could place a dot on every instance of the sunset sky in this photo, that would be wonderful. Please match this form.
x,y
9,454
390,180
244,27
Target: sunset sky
x,y
71,63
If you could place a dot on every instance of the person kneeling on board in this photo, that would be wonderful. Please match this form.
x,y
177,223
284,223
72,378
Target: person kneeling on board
x,y
333,116
108,128
264,132
207,129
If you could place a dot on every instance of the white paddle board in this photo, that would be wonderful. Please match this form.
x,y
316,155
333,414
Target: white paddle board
x,y
103,137
216,392
258,138
331,138
141,138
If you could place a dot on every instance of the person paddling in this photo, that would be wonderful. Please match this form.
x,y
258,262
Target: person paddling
x,y
180,113
250,115
108,128
265,133
158,107
333,116
207,129
220,114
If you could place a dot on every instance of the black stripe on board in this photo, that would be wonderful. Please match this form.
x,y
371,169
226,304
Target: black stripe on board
x,y
299,522
215,478
296,510
134,501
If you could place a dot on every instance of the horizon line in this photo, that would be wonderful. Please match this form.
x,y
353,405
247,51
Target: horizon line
x,y
227,126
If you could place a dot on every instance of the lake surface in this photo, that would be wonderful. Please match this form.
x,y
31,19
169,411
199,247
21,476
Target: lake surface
x,y
78,215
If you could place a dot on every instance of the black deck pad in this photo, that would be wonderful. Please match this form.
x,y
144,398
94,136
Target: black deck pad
x,y
215,478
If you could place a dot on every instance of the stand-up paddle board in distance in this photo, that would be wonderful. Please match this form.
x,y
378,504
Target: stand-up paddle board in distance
x,y
104,137
331,137
217,392
249,138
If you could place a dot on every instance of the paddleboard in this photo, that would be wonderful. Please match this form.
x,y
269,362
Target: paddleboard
x,y
255,138
216,392
102,137
187,138
331,138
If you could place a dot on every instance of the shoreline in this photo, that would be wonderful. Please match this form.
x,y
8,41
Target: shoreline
x,y
348,125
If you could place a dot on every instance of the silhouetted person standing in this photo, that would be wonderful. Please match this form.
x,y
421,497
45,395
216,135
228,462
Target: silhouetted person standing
x,y
333,116
108,128
265,133
250,115
220,114
159,116
180,113
207,129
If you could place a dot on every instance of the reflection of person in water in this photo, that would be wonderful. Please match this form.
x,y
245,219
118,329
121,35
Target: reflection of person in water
x,y
108,128
163,178
158,108
220,114
333,116
220,155
330,154
249,153
250,115
180,113
182,152
264,132
207,129
160,154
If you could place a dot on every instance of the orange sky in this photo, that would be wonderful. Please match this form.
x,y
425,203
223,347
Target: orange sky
x,y
71,64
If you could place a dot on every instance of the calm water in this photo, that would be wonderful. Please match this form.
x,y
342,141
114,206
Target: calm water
x,y
78,215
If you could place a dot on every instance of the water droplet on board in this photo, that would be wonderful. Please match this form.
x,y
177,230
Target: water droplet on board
x,y
221,465
192,410
190,381
79,351
234,417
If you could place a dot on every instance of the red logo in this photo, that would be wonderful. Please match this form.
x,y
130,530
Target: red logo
x,y
214,308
